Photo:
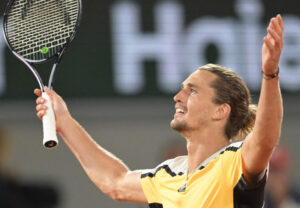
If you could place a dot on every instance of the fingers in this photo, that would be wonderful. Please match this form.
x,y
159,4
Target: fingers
x,y
268,43
274,23
280,21
40,100
40,114
37,92
48,91
58,104
274,39
52,94
281,24
40,107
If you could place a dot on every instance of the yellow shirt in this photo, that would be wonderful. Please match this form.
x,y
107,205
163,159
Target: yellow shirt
x,y
218,183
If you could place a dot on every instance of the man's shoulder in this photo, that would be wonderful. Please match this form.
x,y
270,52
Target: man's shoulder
x,y
174,166
179,165
231,148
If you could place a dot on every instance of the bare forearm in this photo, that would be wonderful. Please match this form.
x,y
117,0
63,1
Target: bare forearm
x,y
108,172
259,145
103,168
269,114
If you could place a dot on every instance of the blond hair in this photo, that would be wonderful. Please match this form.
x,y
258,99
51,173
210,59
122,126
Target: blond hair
x,y
231,89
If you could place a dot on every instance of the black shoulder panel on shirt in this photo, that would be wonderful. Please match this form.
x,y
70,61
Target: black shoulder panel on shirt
x,y
167,169
249,196
232,148
171,173
155,205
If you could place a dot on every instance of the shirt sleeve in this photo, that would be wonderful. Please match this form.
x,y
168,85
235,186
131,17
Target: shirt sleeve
x,y
250,195
232,164
150,184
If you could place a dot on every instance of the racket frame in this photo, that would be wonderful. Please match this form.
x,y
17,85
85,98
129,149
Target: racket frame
x,y
59,54
30,64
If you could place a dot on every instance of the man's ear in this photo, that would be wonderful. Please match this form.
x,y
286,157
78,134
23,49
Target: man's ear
x,y
222,112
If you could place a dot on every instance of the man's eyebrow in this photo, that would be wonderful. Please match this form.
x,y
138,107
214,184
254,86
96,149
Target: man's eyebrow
x,y
189,84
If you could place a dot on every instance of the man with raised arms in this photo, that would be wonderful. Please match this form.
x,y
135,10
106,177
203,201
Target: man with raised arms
x,y
213,109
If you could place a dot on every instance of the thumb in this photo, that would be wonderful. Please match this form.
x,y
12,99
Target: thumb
x,y
50,93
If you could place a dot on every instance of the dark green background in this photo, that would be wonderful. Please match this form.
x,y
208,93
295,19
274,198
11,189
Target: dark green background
x,y
86,70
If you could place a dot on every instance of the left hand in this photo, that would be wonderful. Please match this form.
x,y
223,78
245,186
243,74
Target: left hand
x,y
273,44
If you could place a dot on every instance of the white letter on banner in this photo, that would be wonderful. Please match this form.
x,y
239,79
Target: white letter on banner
x,y
2,65
220,32
131,47
290,58
250,40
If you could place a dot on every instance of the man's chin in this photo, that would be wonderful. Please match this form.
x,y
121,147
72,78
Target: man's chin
x,y
178,126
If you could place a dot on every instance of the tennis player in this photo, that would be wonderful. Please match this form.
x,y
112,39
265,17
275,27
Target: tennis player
x,y
213,108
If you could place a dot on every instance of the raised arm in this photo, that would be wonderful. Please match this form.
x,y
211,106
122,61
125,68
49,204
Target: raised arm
x,y
108,172
258,145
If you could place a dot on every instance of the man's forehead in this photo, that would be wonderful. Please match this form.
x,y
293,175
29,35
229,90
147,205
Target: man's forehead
x,y
198,78
188,84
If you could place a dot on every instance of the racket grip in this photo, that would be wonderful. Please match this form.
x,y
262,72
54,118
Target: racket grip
x,y
49,126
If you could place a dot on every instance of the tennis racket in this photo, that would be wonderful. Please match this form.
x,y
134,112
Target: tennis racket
x,y
37,31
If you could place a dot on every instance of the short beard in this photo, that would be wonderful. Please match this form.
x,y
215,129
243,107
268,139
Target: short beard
x,y
178,126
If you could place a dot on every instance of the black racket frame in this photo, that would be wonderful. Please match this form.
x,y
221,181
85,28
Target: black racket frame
x,y
58,56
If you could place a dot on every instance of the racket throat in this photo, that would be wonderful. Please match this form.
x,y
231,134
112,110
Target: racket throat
x,y
51,78
35,73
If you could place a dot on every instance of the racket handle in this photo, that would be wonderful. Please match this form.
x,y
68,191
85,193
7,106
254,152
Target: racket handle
x,y
49,126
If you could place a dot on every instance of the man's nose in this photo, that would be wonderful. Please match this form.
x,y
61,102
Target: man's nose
x,y
178,97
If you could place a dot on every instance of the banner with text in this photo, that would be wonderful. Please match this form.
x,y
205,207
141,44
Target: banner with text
x,y
148,48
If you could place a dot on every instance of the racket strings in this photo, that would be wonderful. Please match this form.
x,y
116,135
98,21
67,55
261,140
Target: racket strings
x,y
34,25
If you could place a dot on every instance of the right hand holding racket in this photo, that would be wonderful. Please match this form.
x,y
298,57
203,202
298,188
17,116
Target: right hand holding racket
x,y
58,104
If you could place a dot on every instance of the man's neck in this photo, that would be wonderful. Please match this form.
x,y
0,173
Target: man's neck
x,y
202,145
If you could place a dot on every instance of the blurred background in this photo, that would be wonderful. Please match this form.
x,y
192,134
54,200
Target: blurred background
x,y
119,76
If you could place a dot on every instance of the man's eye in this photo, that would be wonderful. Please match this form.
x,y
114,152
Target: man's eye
x,y
193,90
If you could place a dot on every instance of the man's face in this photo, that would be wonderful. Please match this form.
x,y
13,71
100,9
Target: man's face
x,y
194,102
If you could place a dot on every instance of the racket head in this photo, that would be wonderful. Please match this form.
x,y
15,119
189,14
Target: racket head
x,y
39,30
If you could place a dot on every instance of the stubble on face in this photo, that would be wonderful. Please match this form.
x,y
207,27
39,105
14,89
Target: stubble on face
x,y
178,126
192,121
181,126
